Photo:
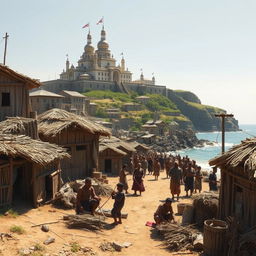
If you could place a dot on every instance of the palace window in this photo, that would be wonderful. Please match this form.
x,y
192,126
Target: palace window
x,y
6,99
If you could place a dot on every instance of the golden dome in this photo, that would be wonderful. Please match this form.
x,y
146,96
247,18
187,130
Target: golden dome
x,y
89,49
103,45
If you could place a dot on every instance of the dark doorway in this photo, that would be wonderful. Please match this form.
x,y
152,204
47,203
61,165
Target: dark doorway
x,y
48,187
22,184
108,165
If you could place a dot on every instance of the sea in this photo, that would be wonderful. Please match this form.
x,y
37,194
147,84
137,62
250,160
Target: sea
x,y
203,154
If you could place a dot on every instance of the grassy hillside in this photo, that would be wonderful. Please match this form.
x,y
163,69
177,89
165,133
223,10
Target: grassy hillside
x,y
159,104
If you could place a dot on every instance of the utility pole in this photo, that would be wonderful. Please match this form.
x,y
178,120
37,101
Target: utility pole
x,y
5,46
223,116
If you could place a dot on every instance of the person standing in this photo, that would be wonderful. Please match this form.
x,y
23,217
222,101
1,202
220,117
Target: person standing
x,y
198,179
157,168
144,165
123,178
119,198
213,180
189,179
138,180
175,182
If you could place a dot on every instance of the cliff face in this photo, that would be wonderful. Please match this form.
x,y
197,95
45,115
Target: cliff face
x,y
202,116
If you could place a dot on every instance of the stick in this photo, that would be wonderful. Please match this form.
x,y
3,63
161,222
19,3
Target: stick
x,y
46,223
105,201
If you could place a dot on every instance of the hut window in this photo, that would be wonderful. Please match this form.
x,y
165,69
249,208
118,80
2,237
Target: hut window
x,y
6,99
81,147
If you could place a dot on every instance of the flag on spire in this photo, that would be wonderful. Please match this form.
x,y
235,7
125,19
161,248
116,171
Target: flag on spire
x,y
100,21
86,25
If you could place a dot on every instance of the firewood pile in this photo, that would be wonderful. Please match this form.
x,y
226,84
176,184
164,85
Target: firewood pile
x,y
178,238
85,221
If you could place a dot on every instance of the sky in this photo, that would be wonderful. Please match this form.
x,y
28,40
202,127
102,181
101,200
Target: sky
x,y
204,46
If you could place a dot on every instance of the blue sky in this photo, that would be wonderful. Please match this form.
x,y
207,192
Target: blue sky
x,y
204,46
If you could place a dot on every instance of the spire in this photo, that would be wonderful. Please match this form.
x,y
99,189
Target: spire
x,y
67,63
123,63
89,38
141,75
103,34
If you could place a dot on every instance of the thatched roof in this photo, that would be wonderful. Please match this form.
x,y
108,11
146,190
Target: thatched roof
x,y
32,83
54,121
243,155
15,125
35,151
117,143
102,148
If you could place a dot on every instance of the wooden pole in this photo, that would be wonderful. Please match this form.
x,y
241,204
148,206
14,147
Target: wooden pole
x,y
5,46
223,116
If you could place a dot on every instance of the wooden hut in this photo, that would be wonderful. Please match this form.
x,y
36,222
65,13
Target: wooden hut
x,y
115,142
29,169
238,183
76,133
14,93
110,159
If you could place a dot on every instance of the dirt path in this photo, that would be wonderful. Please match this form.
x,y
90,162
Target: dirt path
x,y
139,209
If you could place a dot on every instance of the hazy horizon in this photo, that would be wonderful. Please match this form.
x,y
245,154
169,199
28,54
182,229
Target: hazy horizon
x,y
204,47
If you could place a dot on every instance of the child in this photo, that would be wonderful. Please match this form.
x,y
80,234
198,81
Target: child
x,y
119,198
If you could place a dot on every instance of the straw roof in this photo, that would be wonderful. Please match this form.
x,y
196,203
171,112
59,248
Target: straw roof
x,y
15,125
54,121
102,148
243,155
32,83
35,151
117,143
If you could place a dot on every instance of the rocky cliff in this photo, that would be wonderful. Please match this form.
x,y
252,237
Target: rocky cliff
x,y
202,116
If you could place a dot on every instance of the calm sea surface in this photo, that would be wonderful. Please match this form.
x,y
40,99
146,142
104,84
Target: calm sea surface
x,y
202,155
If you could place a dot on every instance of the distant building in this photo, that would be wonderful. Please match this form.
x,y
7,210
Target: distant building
x,y
75,102
43,100
131,107
97,70
14,93
143,99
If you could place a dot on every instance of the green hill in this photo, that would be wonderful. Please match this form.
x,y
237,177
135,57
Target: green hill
x,y
181,106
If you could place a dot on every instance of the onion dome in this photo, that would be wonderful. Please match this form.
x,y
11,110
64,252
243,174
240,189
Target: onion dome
x,y
89,49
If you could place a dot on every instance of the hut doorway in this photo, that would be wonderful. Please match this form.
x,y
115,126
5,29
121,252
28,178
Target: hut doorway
x,y
52,184
22,187
108,165
5,184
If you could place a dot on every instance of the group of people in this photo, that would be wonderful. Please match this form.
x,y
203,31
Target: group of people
x,y
180,170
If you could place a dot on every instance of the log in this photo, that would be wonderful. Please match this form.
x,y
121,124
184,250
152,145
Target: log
x,y
107,213
46,223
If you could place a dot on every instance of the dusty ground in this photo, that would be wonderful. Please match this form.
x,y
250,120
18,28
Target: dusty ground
x,y
139,209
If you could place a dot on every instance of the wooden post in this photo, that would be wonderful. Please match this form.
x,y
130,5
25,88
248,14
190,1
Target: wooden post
x,y
223,116
5,46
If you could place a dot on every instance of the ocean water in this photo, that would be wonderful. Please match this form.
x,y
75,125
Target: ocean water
x,y
204,154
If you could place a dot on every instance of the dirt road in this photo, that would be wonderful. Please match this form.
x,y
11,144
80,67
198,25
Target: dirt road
x,y
140,209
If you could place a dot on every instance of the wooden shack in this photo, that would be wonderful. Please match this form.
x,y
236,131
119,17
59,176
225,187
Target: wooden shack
x,y
79,135
110,159
14,93
29,169
115,142
238,183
